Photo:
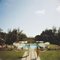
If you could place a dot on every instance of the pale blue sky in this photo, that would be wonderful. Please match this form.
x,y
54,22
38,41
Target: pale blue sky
x,y
31,16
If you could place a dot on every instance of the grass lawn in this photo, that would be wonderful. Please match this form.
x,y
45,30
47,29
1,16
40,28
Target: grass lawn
x,y
50,55
11,55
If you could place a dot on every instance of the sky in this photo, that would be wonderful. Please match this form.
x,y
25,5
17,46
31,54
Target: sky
x,y
31,16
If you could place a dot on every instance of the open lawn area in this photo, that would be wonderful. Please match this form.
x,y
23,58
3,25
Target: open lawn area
x,y
11,55
50,55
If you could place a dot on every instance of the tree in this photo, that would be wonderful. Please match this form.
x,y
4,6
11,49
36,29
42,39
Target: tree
x,y
1,30
37,38
14,36
46,36
2,34
21,36
11,37
59,31
58,36
54,30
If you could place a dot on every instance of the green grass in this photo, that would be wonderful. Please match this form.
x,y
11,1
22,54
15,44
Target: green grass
x,y
11,55
50,55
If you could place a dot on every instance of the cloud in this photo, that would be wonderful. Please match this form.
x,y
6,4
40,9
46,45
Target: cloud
x,y
58,9
40,12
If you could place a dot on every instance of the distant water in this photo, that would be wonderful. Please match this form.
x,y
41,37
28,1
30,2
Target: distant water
x,y
33,46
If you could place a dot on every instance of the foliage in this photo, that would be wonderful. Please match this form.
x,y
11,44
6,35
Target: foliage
x,y
12,36
49,35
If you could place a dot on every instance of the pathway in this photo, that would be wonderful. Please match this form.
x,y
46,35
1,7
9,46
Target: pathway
x,y
32,55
